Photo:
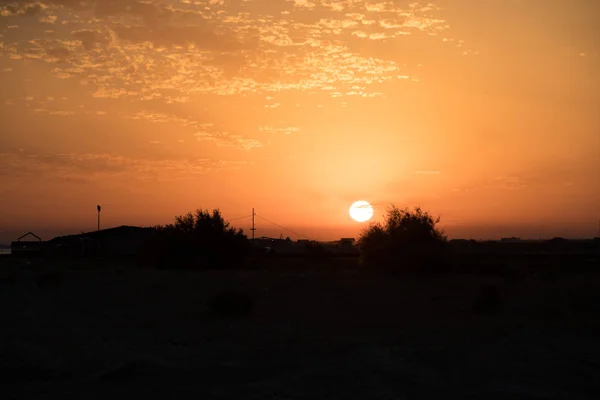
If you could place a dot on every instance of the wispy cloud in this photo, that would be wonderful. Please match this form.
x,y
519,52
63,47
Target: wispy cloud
x,y
286,130
502,182
510,182
100,166
203,131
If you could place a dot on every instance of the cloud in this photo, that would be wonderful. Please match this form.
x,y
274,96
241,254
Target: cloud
x,y
90,38
303,4
113,93
288,130
226,139
19,8
200,36
148,10
203,131
172,51
101,166
510,182
54,112
502,182
48,19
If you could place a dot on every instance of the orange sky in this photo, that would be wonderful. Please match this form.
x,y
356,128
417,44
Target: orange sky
x,y
483,112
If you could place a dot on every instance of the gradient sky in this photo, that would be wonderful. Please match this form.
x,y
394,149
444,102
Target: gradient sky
x,y
484,112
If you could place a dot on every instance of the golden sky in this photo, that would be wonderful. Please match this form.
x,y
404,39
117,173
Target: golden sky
x,y
485,112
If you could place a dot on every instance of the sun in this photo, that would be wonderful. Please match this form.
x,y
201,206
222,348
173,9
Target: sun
x,y
361,211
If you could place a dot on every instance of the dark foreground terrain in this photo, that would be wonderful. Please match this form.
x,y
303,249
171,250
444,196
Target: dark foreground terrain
x,y
78,331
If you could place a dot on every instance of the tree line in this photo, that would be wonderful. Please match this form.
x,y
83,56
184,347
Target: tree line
x,y
204,239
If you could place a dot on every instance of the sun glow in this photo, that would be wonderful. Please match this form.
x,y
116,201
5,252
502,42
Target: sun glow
x,y
361,211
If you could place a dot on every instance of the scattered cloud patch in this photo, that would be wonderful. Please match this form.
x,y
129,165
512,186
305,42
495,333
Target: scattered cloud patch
x,y
48,19
151,49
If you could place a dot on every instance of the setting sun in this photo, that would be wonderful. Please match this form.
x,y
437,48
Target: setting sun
x,y
361,211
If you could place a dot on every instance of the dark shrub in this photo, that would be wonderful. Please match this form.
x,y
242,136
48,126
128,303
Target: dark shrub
x,y
196,241
408,240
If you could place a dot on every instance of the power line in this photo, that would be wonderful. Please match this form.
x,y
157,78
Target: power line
x,y
283,227
235,219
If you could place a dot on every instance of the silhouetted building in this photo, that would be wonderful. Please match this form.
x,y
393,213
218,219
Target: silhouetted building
x,y
281,247
343,247
121,241
27,248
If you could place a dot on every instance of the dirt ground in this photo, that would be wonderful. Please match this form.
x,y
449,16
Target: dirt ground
x,y
71,332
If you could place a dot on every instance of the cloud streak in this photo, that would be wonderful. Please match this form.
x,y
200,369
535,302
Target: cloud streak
x,y
92,167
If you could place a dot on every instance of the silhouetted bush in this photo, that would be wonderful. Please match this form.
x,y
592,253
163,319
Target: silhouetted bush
x,y
230,304
407,240
199,240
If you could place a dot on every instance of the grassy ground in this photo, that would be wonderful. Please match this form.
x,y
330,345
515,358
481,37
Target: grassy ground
x,y
91,331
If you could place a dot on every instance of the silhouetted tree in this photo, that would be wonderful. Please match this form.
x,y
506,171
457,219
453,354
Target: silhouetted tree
x,y
407,238
198,240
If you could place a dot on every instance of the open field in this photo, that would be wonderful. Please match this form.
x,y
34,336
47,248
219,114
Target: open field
x,y
83,331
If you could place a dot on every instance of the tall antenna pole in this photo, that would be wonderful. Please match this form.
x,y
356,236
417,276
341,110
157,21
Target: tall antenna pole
x,y
98,208
253,228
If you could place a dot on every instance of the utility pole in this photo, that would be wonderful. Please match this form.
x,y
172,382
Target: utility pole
x,y
253,228
98,208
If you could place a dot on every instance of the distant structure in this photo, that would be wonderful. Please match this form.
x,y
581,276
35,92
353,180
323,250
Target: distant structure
x,y
99,209
253,229
122,241
27,248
